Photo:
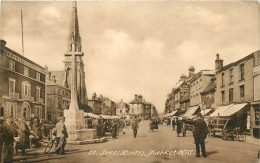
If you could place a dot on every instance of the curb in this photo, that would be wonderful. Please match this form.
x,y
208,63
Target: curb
x,y
90,141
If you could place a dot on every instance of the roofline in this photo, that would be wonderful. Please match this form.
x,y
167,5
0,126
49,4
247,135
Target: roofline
x,y
23,57
238,62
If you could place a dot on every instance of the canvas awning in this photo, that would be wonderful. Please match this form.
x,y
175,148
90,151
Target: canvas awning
x,y
91,115
205,112
191,111
232,110
173,113
220,110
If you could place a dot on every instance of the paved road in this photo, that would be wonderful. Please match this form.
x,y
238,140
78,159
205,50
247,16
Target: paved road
x,y
162,146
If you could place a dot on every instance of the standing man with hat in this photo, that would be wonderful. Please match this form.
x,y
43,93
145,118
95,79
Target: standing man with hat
x,y
8,140
61,136
200,131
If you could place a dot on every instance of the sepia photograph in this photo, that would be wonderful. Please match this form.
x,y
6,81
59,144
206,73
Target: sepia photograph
x,y
129,81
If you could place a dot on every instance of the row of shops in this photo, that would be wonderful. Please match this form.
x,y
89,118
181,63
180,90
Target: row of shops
x,y
242,115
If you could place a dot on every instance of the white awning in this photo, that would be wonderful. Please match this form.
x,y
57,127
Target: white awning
x,y
190,112
232,110
172,113
206,111
91,115
109,116
220,110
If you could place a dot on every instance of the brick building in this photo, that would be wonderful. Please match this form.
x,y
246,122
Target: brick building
x,y
22,85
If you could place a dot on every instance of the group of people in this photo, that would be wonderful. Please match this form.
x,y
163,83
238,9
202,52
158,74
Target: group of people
x,y
199,130
26,133
23,133
180,126
106,125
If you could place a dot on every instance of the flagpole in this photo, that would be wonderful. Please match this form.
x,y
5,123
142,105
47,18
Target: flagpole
x,y
22,31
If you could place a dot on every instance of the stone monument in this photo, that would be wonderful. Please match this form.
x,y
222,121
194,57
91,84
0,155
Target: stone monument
x,y
74,117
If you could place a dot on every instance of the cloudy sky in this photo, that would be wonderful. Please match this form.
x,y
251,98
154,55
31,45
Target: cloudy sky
x,y
135,47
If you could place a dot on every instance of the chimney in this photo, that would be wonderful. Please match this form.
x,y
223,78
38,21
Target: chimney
x,y
50,76
183,77
218,63
136,97
191,71
94,96
2,42
53,79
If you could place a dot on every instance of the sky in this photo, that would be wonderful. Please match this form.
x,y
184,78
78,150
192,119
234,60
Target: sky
x,y
135,47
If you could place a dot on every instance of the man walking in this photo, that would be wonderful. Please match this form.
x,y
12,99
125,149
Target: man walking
x,y
61,137
200,132
135,125
8,140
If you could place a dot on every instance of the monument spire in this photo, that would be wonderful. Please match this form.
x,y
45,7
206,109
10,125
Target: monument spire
x,y
74,36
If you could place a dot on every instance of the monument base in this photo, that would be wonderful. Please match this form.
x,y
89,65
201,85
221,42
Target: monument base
x,y
76,127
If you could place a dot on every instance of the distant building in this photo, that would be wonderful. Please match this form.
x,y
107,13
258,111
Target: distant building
x,y
198,84
109,106
139,107
95,104
181,92
22,90
122,109
58,98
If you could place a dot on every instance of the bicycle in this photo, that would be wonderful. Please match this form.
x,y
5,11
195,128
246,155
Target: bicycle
x,y
233,134
51,145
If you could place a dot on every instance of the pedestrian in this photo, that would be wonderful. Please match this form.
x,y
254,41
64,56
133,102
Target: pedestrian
x,y
135,125
114,129
8,140
23,132
102,128
1,136
61,137
184,128
151,125
97,126
173,124
178,127
200,131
